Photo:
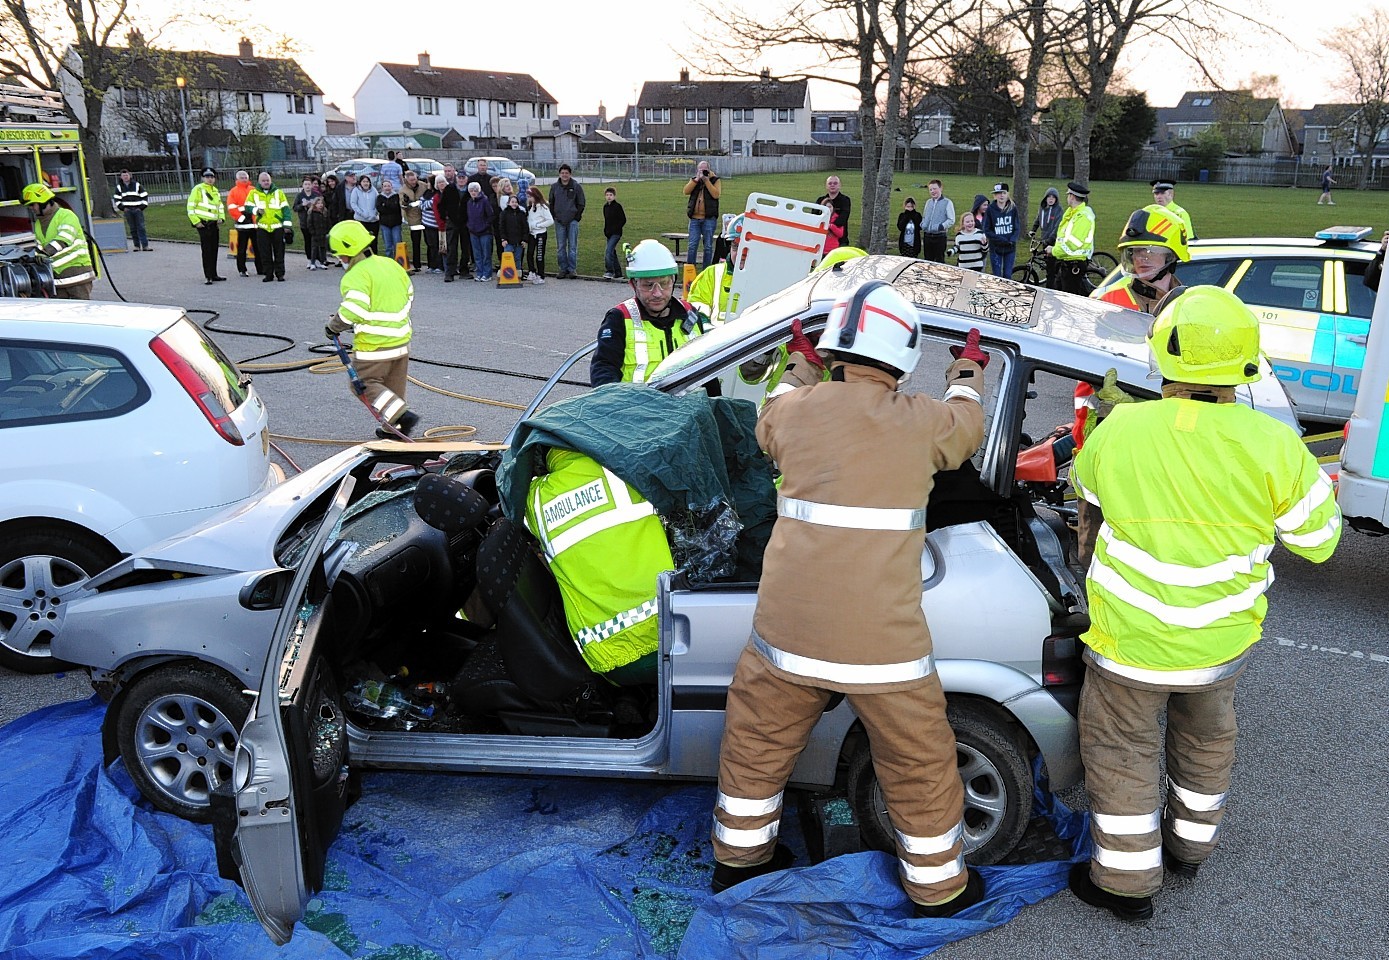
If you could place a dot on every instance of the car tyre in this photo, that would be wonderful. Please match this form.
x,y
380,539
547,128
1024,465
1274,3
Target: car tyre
x,y
997,775
39,570
176,730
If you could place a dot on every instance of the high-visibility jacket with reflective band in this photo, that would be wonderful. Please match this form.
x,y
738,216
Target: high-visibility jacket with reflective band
x,y
130,196
65,245
646,344
710,290
1075,235
205,203
1193,494
606,547
237,206
376,298
839,602
271,208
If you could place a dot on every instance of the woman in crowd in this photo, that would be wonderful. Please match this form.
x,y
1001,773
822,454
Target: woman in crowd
x,y
361,202
388,214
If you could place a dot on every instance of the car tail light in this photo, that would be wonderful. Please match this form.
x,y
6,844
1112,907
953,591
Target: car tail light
x,y
1061,663
202,395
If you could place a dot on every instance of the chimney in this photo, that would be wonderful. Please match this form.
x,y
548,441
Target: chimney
x,y
685,76
245,51
602,112
135,39
424,60
766,74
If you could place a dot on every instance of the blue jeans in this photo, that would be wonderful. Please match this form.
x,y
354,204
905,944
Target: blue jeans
x,y
610,263
390,236
567,246
482,255
1002,263
135,219
702,229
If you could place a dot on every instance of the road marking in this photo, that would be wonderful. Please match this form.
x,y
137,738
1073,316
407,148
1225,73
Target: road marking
x,y
1337,651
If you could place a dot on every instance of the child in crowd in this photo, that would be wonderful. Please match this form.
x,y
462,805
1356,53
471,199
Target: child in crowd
x,y
909,229
513,229
614,219
970,244
316,230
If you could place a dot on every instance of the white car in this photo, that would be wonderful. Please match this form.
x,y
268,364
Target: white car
x,y
120,424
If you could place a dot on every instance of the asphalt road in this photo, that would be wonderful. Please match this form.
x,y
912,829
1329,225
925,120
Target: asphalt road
x,y
1300,871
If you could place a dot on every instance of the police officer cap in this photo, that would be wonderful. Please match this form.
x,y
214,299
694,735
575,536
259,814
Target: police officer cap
x,y
1160,184
209,172
1079,189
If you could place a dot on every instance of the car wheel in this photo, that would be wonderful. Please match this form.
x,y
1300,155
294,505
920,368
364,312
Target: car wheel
x,y
997,778
176,731
39,571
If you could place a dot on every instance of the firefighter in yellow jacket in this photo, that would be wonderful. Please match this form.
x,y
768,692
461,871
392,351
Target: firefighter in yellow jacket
x,y
59,236
858,460
1195,488
376,297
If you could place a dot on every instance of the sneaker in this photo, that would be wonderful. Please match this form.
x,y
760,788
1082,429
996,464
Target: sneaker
x,y
1125,908
243,273
267,279
726,876
607,276
538,280
448,278
968,897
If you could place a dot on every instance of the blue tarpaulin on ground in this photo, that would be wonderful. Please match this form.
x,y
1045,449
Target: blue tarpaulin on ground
x,y
439,866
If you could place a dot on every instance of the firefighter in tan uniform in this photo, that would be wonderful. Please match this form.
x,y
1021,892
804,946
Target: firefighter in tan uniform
x,y
857,460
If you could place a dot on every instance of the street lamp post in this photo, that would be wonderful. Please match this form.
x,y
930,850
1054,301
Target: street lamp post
x,y
183,111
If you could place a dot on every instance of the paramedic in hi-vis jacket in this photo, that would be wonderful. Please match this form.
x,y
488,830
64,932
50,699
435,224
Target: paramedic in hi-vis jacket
x,y
839,606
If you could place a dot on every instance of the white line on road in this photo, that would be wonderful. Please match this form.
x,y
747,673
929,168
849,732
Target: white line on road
x,y
1337,651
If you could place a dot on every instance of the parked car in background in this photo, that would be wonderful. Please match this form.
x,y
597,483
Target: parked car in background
x,y
1313,307
368,165
424,167
257,650
500,167
120,424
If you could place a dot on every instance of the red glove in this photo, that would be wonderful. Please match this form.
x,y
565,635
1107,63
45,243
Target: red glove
x,y
800,343
971,351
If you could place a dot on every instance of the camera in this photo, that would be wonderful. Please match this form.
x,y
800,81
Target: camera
x,y
24,274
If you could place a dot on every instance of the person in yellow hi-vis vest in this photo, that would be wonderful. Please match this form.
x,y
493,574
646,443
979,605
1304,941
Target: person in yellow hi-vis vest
x,y
59,236
640,332
376,297
584,516
1195,489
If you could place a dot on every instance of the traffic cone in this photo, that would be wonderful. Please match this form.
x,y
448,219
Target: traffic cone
x,y
690,273
401,257
507,275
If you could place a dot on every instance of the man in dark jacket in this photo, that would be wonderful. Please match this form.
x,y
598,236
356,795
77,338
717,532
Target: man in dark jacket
x,y
480,216
130,200
567,207
451,207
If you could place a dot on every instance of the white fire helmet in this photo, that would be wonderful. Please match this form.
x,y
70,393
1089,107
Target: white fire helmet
x,y
875,323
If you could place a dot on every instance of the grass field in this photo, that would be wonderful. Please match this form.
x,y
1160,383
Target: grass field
x,y
655,207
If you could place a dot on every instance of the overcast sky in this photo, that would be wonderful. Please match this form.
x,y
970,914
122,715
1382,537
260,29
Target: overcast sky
x,y
584,53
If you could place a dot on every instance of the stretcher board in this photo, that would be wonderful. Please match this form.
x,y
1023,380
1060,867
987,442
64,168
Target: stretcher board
x,y
782,241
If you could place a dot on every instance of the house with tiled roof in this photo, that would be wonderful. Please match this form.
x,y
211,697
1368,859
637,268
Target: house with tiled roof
x,y
723,116
224,98
1253,126
478,104
1331,132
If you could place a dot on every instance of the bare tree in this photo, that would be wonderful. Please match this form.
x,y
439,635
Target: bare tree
x,y
918,84
1059,127
1363,48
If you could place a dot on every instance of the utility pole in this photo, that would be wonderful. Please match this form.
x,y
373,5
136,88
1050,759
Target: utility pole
x,y
183,111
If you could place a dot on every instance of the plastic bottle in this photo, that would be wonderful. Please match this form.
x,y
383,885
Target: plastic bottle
x,y
375,698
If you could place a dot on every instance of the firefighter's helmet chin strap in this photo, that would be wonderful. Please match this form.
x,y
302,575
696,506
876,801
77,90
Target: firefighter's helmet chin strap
x,y
1146,290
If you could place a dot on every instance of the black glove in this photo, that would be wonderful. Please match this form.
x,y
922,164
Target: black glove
x,y
289,235
329,332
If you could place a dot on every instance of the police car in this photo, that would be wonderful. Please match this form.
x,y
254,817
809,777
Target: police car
x,y
1311,299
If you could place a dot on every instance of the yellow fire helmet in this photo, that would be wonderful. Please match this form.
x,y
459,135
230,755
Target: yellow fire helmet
x,y
1205,335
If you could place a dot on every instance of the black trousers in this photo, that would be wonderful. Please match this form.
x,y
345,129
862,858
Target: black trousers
x,y
1070,277
431,243
245,239
535,254
210,238
458,250
270,252
933,247
415,238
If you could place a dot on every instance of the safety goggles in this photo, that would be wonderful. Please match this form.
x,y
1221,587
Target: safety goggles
x,y
654,284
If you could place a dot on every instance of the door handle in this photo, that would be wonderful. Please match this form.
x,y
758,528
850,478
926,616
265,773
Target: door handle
x,y
1361,340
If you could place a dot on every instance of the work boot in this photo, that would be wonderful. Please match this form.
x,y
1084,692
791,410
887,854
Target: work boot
x,y
726,876
1181,868
968,897
407,422
1125,908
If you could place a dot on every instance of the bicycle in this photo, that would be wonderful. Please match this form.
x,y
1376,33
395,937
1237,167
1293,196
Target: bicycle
x,y
1034,271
